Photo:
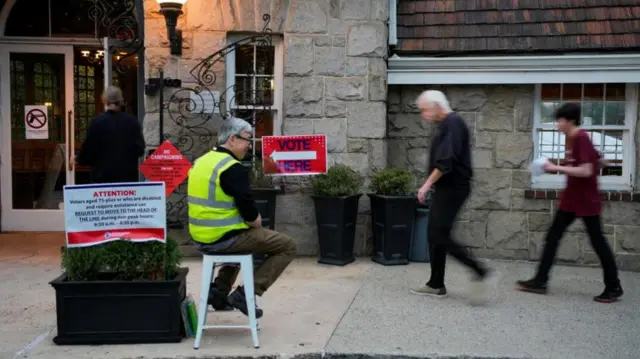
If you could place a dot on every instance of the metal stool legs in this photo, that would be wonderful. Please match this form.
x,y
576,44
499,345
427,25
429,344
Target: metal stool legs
x,y
246,266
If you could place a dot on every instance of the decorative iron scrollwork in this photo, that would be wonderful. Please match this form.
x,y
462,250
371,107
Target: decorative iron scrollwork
x,y
194,107
119,22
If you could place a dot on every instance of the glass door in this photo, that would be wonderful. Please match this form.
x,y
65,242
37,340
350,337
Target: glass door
x,y
37,129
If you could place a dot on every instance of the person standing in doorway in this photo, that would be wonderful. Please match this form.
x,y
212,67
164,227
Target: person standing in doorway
x,y
581,198
114,143
450,174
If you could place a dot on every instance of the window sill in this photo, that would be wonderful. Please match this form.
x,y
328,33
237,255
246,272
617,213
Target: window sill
x,y
607,195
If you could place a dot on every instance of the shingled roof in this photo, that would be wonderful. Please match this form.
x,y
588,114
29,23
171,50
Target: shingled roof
x,y
457,27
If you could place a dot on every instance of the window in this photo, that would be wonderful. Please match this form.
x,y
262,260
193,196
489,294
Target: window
x,y
71,18
609,113
254,87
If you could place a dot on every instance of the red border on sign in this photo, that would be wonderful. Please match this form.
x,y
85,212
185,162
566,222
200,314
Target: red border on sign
x,y
265,154
97,237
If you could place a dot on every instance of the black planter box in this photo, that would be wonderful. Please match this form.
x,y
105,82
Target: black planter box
x,y
119,312
336,221
392,220
265,199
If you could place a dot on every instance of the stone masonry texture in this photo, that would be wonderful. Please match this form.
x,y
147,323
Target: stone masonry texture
x,y
497,221
334,83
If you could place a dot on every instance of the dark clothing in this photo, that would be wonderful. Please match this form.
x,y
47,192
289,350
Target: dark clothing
x,y
234,181
113,145
582,195
446,205
600,245
451,153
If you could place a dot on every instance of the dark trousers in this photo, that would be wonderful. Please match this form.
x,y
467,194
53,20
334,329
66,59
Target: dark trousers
x,y
445,205
600,245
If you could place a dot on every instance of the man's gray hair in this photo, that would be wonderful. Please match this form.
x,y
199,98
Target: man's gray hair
x,y
113,96
232,127
433,97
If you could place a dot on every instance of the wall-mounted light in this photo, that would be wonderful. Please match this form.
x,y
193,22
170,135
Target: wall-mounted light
x,y
93,56
172,9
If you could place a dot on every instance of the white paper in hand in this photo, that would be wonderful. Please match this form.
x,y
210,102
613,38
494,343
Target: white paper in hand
x,y
537,166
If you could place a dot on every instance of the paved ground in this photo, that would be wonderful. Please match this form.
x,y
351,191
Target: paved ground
x,y
362,309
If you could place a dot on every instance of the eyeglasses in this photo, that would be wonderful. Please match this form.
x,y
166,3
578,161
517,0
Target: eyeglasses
x,y
243,138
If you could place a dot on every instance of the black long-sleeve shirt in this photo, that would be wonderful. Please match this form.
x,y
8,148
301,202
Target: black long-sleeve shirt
x,y
234,181
113,145
451,153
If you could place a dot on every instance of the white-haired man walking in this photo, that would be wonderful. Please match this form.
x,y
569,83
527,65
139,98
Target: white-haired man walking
x,y
450,171
223,217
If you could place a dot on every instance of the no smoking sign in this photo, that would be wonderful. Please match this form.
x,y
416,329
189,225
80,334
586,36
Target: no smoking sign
x,y
36,122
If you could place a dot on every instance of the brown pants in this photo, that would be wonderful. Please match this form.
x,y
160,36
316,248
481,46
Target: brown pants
x,y
280,249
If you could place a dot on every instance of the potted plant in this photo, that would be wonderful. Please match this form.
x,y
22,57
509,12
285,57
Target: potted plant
x,y
392,215
120,292
336,195
264,194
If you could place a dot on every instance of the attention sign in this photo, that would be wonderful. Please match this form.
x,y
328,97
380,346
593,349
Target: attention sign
x,y
96,214
168,165
294,155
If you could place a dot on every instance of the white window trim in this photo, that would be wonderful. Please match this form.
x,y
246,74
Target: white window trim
x,y
624,182
278,86
491,70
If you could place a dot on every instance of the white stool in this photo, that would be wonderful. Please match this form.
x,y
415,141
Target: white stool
x,y
246,266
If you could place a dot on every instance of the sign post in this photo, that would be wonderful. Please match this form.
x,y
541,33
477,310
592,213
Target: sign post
x,y
300,155
96,214
36,122
168,165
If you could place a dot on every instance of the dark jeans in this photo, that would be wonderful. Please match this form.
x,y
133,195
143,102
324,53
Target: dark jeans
x,y
600,245
445,205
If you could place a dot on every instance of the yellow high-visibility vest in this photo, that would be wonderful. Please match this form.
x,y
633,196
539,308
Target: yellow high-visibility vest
x,y
212,213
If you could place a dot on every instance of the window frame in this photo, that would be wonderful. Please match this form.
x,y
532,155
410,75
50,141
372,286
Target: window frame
x,y
624,182
278,85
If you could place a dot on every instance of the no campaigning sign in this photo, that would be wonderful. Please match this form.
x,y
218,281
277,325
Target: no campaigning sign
x,y
168,165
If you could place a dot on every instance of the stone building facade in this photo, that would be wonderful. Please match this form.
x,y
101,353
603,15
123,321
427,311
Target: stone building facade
x,y
333,82
338,57
502,218
505,67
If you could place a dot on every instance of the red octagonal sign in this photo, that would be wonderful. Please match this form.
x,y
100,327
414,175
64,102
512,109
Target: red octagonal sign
x,y
168,165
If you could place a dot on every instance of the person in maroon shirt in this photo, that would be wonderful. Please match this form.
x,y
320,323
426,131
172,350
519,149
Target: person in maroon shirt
x,y
581,198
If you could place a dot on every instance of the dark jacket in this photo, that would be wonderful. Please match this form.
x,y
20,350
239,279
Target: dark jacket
x,y
451,153
113,145
234,181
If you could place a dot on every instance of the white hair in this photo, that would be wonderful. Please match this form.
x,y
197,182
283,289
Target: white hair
x,y
433,97
233,127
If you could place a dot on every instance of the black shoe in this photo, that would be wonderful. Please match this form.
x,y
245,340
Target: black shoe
x,y
238,300
532,286
218,299
609,295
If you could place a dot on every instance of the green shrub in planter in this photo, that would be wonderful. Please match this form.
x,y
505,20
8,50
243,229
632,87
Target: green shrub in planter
x,y
393,206
122,260
120,292
392,182
340,180
336,196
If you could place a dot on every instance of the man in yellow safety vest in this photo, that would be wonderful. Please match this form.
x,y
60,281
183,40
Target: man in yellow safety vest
x,y
223,217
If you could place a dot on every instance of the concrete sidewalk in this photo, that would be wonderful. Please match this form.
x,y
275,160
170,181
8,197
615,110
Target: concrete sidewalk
x,y
359,310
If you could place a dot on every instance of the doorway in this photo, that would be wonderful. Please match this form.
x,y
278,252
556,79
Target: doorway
x,y
50,95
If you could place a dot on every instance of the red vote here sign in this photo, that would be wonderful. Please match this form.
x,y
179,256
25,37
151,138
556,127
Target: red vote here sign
x,y
294,155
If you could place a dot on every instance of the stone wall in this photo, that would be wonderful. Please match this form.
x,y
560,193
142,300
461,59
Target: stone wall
x,y
498,221
334,83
